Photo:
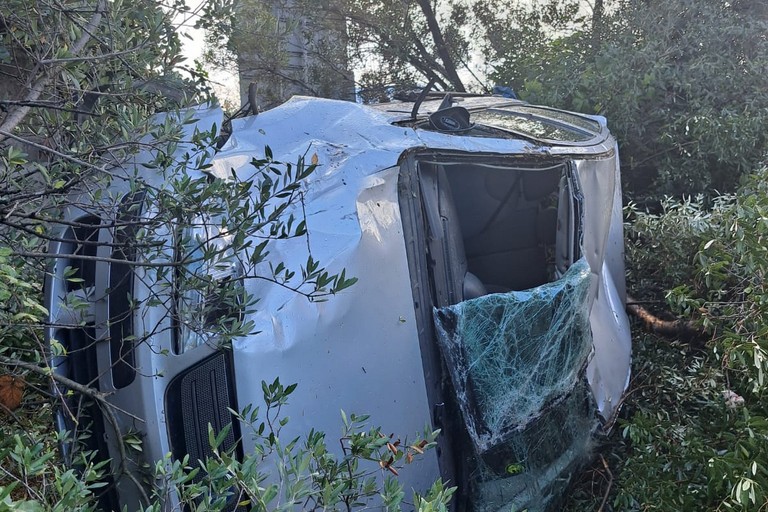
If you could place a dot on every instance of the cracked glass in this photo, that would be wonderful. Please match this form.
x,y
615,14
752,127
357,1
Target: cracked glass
x,y
517,364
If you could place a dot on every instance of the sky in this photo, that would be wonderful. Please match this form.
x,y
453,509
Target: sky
x,y
226,82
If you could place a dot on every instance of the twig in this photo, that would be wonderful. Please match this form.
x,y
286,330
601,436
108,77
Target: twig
x,y
101,399
90,392
107,410
48,372
610,484
88,58
7,134
7,410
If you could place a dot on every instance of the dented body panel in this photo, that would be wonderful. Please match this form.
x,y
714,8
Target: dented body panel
x,y
358,352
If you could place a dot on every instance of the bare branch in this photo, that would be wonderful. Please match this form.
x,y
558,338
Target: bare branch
x,y
6,134
91,58
18,114
47,371
668,328
442,48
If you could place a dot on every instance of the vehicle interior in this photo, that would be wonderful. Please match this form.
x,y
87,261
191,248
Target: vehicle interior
x,y
506,227
476,225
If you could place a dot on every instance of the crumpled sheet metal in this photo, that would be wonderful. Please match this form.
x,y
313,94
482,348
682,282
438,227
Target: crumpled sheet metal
x,y
511,354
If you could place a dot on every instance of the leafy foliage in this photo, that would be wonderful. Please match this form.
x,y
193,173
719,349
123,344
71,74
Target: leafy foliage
x,y
277,475
686,441
695,436
682,83
673,234
307,474
93,147
193,228
729,291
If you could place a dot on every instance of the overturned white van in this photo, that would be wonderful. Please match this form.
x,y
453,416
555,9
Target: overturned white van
x,y
486,237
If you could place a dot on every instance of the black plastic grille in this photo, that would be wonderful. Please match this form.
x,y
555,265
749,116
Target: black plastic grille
x,y
85,238
199,397
81,362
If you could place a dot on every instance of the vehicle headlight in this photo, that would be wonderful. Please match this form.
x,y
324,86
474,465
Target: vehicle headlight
x,y
208,285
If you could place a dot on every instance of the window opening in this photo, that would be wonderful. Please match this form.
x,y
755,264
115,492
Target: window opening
x,y
502,228
209,288
121,297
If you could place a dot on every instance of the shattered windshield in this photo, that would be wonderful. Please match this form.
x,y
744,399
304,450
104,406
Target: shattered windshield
x,y
531,126
510,354
517,362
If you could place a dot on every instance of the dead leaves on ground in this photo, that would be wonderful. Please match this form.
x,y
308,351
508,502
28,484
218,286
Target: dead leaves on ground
x,y
11,392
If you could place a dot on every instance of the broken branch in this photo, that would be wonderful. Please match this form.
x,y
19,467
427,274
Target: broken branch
x,y
667,328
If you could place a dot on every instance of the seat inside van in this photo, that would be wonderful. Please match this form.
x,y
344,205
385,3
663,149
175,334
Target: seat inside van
x,y
511,223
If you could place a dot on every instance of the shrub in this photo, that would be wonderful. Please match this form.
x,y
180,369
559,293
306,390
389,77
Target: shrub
x,y
695,433
299,474
681,82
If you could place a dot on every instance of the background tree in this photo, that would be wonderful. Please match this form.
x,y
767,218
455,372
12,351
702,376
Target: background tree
x,y
408,42
284,47
390,44
682,84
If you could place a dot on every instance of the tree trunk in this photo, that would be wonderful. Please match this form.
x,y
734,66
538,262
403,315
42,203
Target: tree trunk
x,y
598,11
442,48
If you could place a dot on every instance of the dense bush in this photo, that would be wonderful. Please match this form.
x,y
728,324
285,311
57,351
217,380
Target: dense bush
x,y
721,257
655,239
691,442
695,435
729,292
682,83
686,440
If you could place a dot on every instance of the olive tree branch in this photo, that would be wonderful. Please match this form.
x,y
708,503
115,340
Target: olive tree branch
x,y
17,115
99,397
